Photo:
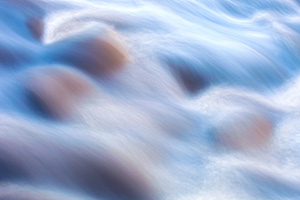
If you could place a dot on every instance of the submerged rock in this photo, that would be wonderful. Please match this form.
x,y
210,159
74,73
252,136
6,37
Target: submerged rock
x,y
29,15
99,53
55,91
70,163
112,177
36,27
190,78
242,130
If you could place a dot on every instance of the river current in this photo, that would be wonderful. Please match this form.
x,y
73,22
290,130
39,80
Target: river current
x,y
201,77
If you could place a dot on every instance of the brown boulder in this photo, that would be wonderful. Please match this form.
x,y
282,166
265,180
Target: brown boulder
x,y
100,55
243,130
56,91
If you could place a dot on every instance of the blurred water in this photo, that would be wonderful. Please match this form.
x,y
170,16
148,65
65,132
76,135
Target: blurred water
x,y
192,62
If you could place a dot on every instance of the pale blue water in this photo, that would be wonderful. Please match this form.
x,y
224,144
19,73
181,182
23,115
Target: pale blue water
x,y
246,53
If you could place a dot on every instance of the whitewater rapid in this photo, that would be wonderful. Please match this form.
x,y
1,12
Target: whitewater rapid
x,y
191,65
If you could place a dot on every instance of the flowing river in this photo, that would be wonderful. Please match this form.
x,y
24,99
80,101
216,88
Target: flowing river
x,y
149,99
